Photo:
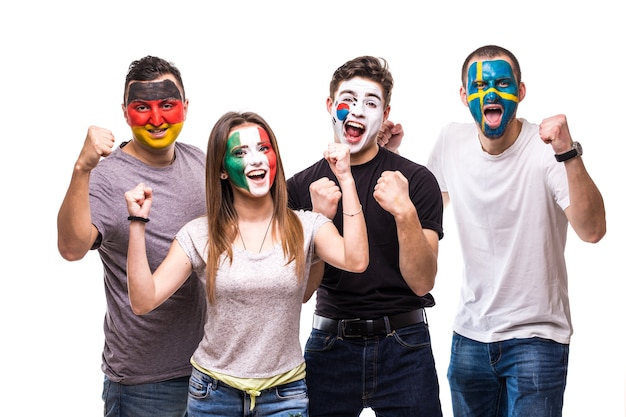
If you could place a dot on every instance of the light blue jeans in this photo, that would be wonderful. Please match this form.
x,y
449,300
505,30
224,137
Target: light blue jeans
x,y
210,397
514,378
162,399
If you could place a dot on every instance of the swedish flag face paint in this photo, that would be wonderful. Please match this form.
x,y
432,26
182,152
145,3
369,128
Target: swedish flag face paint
x,y
492,95
250,160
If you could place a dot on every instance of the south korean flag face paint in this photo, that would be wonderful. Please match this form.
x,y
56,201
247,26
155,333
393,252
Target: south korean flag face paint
x,y
357,113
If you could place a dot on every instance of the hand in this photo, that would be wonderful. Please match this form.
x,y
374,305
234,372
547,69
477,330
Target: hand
x,y
554,131
98,143
139,200
392,192
390,135
338,157
325,196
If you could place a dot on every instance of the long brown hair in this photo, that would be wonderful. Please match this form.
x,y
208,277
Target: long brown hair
x,y
221,213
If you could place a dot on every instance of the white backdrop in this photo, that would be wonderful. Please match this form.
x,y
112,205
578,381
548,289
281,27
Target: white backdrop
x,y
63,69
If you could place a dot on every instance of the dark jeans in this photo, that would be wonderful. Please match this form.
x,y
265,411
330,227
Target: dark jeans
x,y
394,375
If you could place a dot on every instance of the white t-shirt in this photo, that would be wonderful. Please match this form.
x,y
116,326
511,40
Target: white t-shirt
x,y
512,228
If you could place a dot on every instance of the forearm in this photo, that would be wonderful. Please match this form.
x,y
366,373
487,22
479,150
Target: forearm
x,y
586,212
356,247
75,232
141,287
418,259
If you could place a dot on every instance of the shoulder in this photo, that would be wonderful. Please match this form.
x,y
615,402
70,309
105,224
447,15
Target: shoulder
x,y
309,173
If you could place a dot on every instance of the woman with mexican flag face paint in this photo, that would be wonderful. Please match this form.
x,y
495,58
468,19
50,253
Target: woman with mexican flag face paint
x,y
253,255
250,160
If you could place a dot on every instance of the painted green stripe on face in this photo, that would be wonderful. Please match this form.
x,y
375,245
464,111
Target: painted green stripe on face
x,y
233,163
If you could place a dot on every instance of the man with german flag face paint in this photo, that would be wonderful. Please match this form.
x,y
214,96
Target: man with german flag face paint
x,y
142,354
250,160
155,111
516,186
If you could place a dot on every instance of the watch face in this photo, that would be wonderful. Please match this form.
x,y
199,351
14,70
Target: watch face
x,y
578,147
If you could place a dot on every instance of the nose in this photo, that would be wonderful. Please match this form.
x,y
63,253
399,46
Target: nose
x,y
156,119
255,157
357,108
492,96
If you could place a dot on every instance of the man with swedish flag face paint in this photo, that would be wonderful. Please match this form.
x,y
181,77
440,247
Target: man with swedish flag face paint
x,y
145,359
515,186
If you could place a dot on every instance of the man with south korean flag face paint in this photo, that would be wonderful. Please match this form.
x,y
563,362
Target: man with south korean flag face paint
x,y
516,186
145,359
377,313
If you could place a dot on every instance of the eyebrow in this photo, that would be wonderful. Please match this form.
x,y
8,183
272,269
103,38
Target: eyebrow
x,y
155,90
352,92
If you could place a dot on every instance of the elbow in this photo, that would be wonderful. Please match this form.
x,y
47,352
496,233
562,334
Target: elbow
x,y
594,237
70,254
361,265
140,310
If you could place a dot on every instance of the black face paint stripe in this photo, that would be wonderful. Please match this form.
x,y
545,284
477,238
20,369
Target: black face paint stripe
x,y
158,90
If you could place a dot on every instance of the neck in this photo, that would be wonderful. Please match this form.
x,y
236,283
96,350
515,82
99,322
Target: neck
x,y
496,146
154,157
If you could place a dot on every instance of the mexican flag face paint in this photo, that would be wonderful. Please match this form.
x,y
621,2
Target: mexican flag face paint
x,y
156,112
250,160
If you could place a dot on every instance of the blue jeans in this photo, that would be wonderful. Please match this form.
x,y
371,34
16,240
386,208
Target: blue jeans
x,y
210,397
515,378
394,375
161,399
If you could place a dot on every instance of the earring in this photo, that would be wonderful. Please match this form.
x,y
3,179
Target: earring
x,y
223,175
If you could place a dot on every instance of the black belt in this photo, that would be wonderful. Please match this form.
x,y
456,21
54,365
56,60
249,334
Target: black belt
x,y
368,328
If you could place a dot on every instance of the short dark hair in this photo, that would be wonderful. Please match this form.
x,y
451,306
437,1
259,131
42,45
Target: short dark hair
x,y
491,51
150,68
368,67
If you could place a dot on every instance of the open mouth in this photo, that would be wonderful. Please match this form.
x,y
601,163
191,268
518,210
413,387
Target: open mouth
x,y
492,115
157,133
353,131
256,175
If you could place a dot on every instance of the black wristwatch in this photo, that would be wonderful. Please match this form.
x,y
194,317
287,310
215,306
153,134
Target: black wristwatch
x,y
577,150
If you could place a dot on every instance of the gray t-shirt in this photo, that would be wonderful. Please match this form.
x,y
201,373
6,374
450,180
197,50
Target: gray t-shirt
x,y
156,346
253,328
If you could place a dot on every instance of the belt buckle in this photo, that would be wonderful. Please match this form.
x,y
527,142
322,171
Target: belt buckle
x,y
342,328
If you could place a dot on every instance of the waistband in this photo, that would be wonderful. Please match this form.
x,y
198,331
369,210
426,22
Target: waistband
x,y
368,328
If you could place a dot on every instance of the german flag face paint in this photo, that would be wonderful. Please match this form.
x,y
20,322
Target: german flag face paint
x,y
492,95
155,112
250,160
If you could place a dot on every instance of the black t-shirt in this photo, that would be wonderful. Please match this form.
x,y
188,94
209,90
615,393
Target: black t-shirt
x,y
380,290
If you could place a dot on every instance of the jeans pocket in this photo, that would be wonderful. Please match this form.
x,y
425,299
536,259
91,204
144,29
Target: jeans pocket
x,y
199,384
293,390
415,336
319,341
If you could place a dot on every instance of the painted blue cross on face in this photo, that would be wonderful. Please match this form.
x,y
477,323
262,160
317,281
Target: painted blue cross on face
x,y
492,95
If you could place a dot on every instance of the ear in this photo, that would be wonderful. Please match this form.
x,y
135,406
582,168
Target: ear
x,y
329,105
185,108
463,95
386,113
125,111
522,91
